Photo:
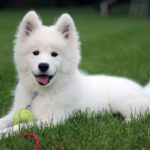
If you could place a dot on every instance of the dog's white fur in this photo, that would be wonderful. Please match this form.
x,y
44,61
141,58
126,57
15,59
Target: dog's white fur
x,y
69,89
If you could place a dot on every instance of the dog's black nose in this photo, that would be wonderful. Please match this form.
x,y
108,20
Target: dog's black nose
x,y
43,67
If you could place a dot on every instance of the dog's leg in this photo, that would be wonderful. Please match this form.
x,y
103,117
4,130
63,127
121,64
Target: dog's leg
x,y
16,128
134,107
22,99
6,121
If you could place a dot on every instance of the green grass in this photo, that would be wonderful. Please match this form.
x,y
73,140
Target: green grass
x,y
114,45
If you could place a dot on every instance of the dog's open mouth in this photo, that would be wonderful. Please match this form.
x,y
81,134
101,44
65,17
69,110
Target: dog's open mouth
x,y
43,79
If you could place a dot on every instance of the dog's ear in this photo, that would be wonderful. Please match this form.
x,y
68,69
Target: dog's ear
x,y
65,25
29,24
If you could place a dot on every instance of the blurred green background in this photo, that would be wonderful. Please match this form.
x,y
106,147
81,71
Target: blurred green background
x,y
105,7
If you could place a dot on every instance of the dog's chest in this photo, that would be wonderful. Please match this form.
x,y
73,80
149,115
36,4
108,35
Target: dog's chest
x,y
46,107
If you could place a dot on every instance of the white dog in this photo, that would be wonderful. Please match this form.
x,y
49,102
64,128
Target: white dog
x,y
47,60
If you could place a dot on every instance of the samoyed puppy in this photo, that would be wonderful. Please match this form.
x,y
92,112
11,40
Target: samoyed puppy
x,y
50,83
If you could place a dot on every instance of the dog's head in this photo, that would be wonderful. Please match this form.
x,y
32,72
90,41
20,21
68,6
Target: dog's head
x,y
41,52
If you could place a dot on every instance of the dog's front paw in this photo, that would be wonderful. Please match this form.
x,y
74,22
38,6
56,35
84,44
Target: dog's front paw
x,y
4,123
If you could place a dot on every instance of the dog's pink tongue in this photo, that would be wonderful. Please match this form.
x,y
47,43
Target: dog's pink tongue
x,y
43,80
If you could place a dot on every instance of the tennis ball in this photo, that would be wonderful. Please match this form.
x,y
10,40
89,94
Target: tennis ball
x,y
23,115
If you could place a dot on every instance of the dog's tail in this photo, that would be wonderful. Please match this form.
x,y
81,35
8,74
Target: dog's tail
x,y
147,89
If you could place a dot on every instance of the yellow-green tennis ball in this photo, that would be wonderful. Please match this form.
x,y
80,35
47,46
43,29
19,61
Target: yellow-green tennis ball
x,y
23,115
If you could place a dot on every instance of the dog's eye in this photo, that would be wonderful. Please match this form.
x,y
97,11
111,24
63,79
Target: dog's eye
x,y
54,54
36,52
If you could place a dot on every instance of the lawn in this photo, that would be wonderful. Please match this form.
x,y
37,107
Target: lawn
x,y
115,45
